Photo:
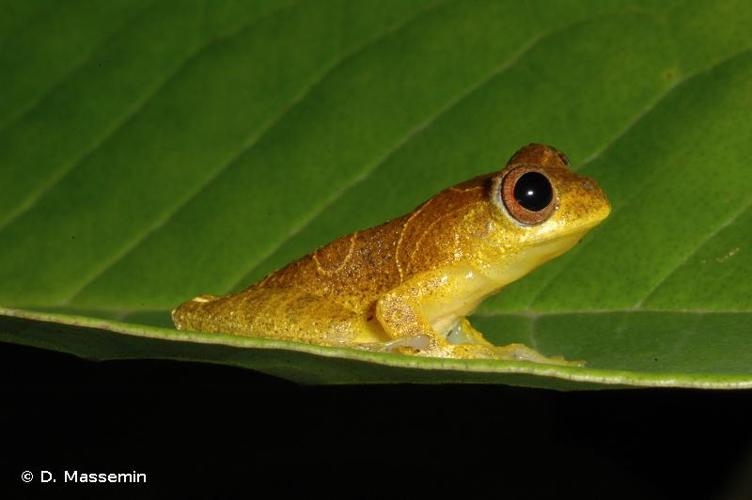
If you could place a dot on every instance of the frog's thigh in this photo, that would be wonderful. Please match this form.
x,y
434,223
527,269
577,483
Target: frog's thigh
x,y
297,315
278,313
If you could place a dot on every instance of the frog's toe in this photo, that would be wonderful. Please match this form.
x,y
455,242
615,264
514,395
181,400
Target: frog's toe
x,y
559,360
521,352
462,351
202,299
417,342
404,345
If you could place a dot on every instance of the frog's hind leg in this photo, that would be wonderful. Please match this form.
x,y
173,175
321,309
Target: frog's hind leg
x,y
277,313
188,315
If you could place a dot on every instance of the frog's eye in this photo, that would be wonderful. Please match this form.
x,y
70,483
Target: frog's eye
x,y
528,195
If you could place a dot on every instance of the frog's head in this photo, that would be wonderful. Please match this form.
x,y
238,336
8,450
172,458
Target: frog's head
x,y
541,209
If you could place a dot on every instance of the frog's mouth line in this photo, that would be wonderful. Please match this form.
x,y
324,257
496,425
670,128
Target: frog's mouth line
x,y
516,265
556,246
561,238
582,227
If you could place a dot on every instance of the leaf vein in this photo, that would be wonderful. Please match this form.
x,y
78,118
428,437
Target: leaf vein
x,y
595,156
411,134
33,104
745,208
55,178
247,146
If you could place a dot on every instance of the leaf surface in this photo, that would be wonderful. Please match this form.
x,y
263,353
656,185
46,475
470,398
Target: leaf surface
x,y
153,151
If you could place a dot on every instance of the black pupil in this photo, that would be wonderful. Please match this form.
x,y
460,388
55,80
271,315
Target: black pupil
x,y
533,191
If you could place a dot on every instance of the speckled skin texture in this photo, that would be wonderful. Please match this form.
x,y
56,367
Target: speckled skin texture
x,y
408,284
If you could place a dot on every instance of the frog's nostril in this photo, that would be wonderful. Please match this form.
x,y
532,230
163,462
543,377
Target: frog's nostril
x,y
588,184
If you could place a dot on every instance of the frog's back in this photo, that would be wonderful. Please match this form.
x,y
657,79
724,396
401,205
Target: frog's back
x,y
357,269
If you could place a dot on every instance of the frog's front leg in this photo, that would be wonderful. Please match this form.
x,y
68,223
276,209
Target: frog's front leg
x,y
402,318
400,313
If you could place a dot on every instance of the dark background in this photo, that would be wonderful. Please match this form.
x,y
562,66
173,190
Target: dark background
x,y
214,431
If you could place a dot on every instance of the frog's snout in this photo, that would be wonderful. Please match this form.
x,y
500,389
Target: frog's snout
x,y
592,196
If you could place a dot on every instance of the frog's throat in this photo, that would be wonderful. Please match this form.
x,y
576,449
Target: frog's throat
x,y
473,288
514,266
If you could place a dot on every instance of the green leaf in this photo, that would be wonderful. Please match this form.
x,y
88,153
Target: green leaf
x,y
153,151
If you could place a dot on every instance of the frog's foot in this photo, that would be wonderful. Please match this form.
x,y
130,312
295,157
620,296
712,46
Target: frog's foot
x,y
406,345
422,345
468,343
521,352
511,352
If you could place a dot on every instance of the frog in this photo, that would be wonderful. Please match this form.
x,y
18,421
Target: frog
x,y
406,287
